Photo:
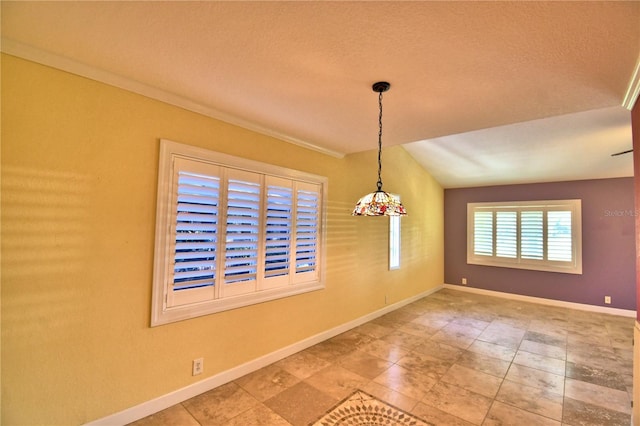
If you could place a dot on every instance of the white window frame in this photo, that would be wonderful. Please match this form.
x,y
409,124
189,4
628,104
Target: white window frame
x,y
170,303
394,239
490,258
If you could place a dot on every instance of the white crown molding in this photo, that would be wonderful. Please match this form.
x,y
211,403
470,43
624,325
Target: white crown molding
x,y
633,91
65,64
543,301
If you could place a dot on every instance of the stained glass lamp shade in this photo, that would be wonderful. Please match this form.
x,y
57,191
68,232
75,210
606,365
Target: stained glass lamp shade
x,y
379,203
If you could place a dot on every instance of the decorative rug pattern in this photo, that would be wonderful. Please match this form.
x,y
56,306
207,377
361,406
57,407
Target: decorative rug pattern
x,y
363,409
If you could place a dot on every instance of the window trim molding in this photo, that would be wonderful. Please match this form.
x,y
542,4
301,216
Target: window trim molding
x,y
573,267
169,150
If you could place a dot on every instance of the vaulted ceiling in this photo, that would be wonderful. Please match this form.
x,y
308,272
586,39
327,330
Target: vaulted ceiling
x,y
481,92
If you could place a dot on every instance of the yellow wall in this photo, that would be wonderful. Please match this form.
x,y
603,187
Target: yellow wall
x,y
79,169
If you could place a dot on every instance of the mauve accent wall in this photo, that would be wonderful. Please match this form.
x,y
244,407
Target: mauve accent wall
x,y
608,243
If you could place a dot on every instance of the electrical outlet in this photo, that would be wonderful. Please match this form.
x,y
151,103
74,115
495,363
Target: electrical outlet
x,y
197,367
464,281
607,300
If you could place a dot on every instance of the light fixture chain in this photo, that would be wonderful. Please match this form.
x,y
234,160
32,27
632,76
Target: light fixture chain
x,y
380,143
379,203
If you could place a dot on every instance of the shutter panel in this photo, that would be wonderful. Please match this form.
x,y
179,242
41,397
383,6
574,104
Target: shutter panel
x,y
279,211
507,234
483,233
532,235
194,232
559,244
307,228
242,228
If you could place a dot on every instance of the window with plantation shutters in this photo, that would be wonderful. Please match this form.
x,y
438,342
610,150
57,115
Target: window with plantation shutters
x,y
231,232
538,235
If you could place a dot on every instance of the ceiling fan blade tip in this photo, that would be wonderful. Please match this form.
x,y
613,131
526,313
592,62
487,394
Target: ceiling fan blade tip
x,y
622,152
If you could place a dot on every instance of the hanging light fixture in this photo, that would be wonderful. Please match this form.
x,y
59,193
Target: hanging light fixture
x,y
379,203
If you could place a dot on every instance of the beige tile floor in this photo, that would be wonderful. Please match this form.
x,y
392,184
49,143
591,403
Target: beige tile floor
x,y
452,358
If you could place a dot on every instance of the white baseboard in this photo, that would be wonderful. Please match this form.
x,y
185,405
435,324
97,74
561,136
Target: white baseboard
x,y
165,401
542,301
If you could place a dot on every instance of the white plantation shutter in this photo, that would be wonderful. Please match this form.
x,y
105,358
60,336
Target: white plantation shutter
x,y
242,231
195,232
483,236
507,234
539,235
278,231
532,234
559,245
307,230
231,232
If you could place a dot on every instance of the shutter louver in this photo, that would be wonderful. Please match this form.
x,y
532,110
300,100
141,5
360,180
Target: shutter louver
x,y
483,235
532,235
196,232
242,231
278,231
507,234
307,224
559,245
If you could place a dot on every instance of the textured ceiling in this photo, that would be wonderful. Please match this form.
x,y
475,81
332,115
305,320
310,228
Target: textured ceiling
x,y
303,71
568,147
